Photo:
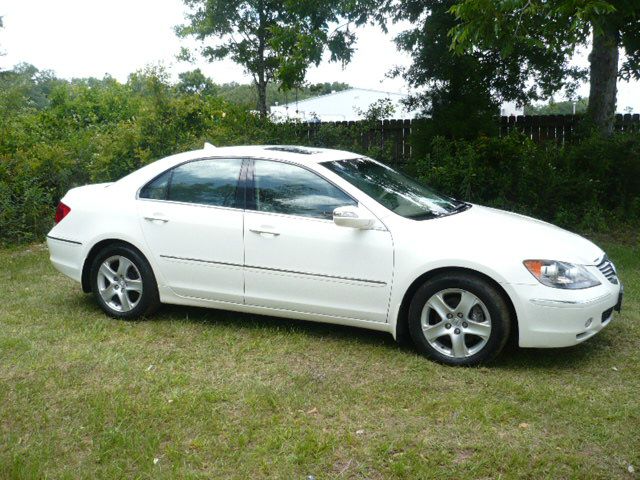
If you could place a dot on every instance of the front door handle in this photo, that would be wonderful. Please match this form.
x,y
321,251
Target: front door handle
x,y
157,218
264,231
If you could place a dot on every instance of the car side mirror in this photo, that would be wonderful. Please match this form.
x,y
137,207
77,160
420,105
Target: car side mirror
x,y
353,217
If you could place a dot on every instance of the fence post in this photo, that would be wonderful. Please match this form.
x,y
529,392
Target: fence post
x,y
504,126
406,147
512,124
617,123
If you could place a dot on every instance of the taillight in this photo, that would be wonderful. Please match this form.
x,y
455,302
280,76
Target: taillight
x,y
61,212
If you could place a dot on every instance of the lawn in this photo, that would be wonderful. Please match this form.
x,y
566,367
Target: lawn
x,y
195,393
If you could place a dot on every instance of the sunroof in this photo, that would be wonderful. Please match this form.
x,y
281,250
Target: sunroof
x,y
293,149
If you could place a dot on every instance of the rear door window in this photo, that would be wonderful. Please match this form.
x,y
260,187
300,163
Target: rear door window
x,y
203,182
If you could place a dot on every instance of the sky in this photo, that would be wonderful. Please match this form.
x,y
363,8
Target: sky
x,y
81,38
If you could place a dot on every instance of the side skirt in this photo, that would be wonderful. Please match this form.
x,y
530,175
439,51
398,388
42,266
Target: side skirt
x,y
168,297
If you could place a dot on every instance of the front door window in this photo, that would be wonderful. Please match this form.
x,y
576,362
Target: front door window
x,y
292,190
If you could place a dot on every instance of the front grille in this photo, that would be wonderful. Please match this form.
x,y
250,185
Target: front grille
x,y
608,270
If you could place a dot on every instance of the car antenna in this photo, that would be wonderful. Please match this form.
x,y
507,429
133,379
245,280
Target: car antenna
x,y
208,145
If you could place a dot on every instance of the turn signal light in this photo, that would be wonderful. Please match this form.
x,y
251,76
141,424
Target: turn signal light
x,y
534,266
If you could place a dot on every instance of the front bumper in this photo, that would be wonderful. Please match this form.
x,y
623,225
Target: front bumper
x,y
549,319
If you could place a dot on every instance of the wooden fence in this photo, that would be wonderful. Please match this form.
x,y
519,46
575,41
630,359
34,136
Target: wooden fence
x,y
560,128
394,134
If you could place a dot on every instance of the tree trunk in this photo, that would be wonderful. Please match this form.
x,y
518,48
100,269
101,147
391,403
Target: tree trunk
x,y
261,81
603,76
261,85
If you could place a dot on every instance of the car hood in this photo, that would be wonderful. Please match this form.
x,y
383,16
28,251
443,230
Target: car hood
x,y
492,231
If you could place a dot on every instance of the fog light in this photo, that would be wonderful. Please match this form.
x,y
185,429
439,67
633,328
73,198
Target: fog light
x,y
587,324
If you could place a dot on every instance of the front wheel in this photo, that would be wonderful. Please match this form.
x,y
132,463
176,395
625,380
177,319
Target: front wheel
x,y
459,319
123,283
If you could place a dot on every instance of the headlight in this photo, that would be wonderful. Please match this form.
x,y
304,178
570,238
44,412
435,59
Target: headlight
x,y
561,274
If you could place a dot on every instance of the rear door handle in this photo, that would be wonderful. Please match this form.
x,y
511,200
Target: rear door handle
x,y
264,231
156,218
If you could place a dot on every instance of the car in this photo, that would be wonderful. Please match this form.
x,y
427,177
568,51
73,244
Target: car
x,y
331,236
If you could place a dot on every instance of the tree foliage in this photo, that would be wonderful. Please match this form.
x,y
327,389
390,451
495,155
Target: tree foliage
x,y
194,81
274,40
245,94
521,30
567,107
463,92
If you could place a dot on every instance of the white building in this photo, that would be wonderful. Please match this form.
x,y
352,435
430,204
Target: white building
x,y
351,104
345,105
511,108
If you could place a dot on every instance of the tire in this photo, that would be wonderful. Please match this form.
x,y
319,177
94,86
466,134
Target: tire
x,y
123,283
459,319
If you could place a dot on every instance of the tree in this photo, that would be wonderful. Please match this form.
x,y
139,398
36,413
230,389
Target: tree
x,y
558,27
195,81
461,93
245,94
325,88
272,39
567,107
25,88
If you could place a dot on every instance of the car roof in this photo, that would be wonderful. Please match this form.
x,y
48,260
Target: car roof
x,y
293,153
288,153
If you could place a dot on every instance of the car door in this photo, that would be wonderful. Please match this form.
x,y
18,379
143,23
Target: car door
x,y
297,258
192,220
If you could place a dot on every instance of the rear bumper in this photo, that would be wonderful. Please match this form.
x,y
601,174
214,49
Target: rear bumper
x,y
66,256
562,322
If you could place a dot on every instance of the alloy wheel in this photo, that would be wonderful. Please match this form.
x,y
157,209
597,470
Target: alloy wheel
x,y
456,323
120,283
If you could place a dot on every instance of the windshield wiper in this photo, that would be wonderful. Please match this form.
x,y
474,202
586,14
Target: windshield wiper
x,y
426,216
461,208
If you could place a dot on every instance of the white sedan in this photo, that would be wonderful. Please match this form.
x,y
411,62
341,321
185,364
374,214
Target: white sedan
x,y
331,236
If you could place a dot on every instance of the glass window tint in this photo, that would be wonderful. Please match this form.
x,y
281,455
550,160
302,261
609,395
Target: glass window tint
x,y
207,182
284,188
156,189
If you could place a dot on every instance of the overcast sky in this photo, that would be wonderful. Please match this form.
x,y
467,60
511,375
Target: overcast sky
x,y
80,38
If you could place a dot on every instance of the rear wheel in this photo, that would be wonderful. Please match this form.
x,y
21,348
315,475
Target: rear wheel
x,y
459,319
123,283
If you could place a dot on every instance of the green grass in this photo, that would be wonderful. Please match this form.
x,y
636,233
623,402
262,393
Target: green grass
x,y
198,393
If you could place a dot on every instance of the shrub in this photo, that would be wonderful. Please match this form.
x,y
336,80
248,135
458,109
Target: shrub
x,y
73,133
583,186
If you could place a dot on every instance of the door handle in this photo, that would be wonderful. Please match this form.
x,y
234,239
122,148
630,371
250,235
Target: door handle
x,y
264,231
157,218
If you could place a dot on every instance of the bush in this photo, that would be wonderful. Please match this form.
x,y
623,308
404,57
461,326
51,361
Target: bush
x,y
55,135
25,201
584,186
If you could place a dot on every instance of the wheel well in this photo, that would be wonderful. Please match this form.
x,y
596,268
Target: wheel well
x,y
95,250
402,324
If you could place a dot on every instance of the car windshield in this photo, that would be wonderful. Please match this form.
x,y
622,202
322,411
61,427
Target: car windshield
x,y
394,190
